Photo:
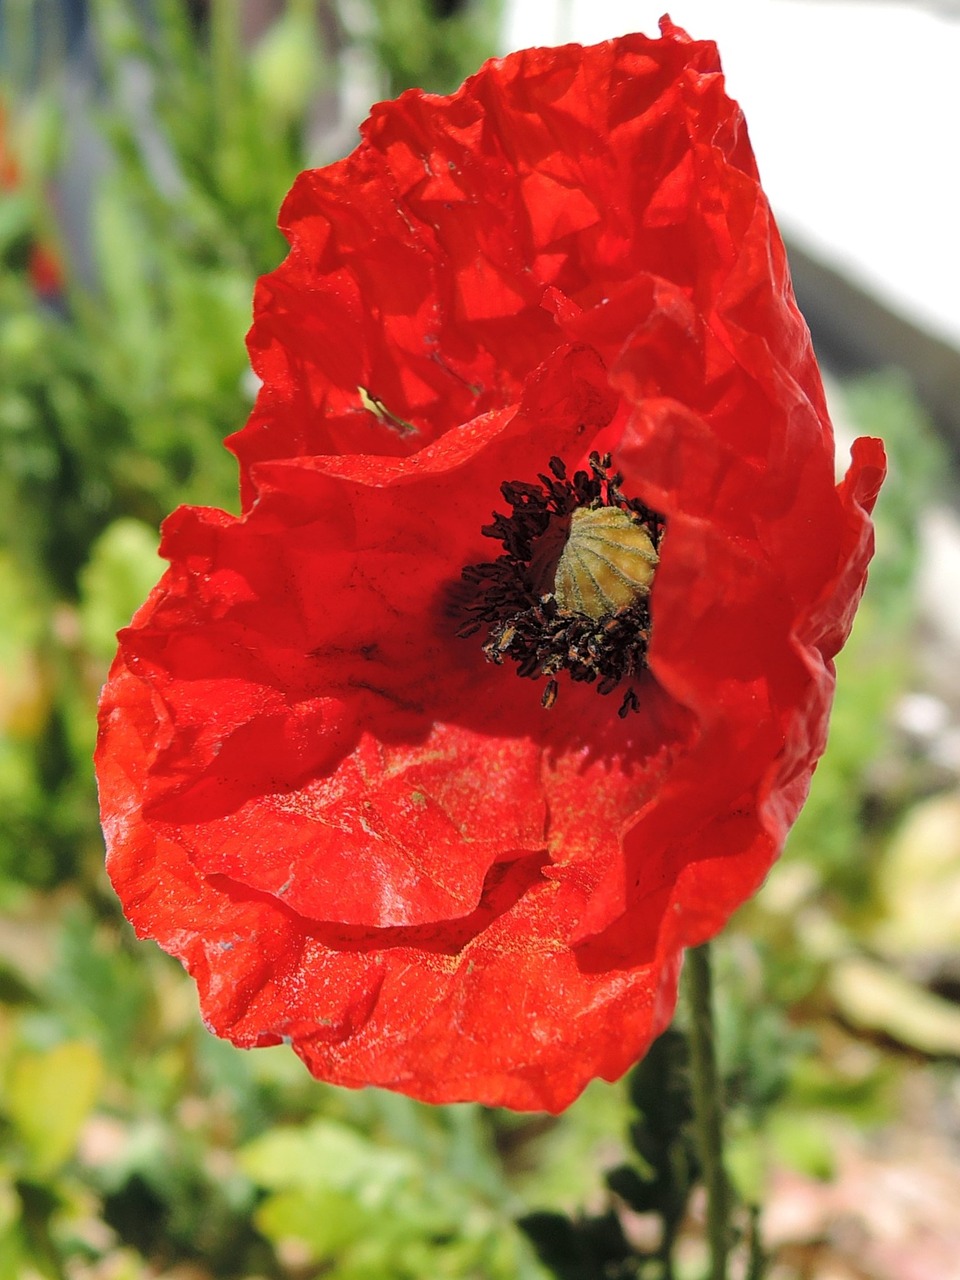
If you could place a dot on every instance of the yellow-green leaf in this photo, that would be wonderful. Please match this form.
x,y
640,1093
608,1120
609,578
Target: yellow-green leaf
x,y
50,1096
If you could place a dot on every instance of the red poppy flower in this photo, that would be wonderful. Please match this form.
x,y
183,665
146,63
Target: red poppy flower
x,y
440,796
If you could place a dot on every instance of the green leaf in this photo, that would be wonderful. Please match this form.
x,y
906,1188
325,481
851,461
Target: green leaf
x,y
326,1222
640,1193
100,991
660,1086
123,256
559,1245
286,68
802,1141
873,996
122,569
15,222
50,1095
748,1163
326,1155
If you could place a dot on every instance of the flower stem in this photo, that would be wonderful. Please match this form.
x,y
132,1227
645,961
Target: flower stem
x,y
708,1106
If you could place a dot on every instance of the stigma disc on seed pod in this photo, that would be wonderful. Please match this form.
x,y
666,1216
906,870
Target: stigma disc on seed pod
x,y
607,562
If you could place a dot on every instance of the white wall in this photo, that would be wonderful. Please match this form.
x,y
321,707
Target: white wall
x,y
854,112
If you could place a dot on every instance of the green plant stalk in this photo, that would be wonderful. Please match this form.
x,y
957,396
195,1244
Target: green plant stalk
x,y
708,1105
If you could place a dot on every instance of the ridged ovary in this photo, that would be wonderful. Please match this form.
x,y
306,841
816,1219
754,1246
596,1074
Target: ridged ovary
x,y
607,563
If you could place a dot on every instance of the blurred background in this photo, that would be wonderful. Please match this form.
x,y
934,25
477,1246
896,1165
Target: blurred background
x,y
145,146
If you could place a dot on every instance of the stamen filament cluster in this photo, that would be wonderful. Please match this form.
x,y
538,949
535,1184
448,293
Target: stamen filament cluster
x,y
550,604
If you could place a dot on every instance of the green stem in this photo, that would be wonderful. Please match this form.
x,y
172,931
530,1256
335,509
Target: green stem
x,y
708,1106
756,1263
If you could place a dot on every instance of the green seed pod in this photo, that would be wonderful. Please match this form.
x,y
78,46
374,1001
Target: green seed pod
x,y
607,563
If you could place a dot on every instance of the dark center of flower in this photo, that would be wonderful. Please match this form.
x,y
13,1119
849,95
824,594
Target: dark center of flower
x,y
572,590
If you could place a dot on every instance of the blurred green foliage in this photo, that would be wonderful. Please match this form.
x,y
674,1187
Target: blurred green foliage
x,y
120,385
131,1142
411,45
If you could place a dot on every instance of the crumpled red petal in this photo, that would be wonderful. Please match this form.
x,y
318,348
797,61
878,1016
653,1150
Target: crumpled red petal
x,y
358,834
